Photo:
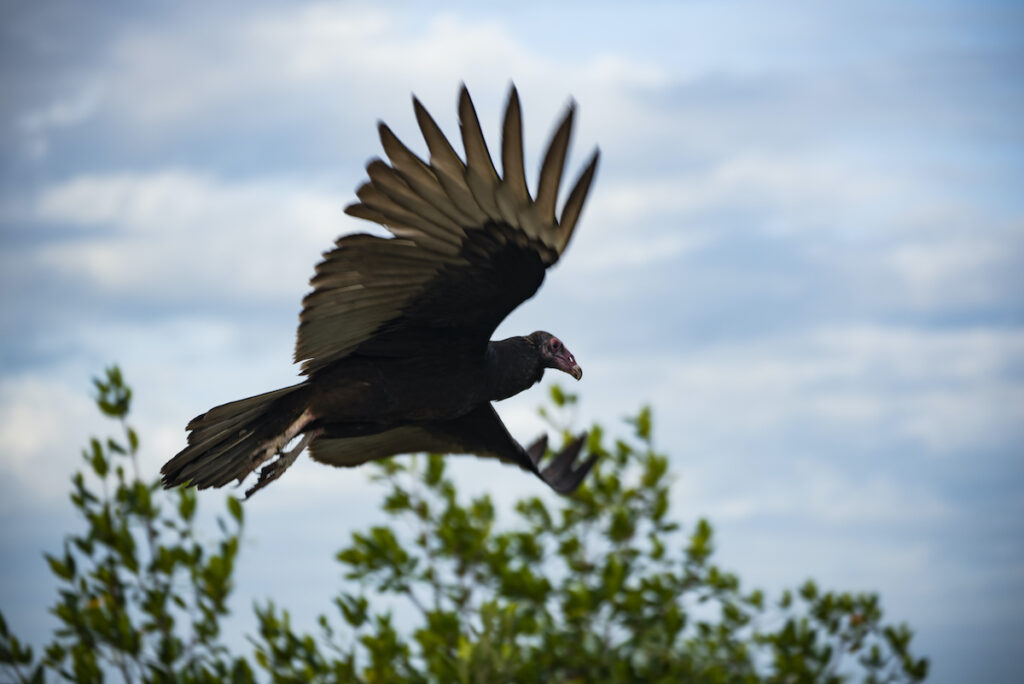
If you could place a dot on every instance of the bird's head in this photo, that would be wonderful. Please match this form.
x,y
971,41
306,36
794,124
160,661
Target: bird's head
x,y
554,353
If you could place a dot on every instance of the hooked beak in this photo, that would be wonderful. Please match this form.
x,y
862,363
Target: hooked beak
x,y
566,363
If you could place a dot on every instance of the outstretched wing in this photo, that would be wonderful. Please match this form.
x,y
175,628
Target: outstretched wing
x,y
469,245
479,432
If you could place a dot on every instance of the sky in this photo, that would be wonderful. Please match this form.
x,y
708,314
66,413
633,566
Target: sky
x,y
804,248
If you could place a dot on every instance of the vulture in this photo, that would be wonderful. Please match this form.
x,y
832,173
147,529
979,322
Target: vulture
x,y
394,337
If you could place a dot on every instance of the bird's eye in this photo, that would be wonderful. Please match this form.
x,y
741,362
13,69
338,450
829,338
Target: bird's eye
x,y
556,345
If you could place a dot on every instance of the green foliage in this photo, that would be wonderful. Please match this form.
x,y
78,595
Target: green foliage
x,y
600,586
138,594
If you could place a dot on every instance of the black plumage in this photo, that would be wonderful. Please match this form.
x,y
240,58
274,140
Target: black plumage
x,y
395,337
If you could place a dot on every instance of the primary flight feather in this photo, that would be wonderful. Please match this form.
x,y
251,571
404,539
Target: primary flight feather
x,y
395,337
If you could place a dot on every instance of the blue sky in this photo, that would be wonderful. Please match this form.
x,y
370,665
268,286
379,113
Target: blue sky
x,y
805,247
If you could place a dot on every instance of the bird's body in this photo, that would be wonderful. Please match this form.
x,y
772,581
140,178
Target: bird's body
x,y
389,391
395,334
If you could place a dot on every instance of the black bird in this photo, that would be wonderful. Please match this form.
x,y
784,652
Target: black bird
x,y
395,337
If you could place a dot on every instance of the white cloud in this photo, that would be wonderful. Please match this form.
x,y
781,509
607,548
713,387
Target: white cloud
x,y
355,60
815,489
43,425
817,191
947,390
38,124
623,252
952,271
178,233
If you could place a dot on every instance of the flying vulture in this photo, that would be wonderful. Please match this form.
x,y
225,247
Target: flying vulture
x,y
394,339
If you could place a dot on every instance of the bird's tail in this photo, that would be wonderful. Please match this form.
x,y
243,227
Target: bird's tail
x,y
230,441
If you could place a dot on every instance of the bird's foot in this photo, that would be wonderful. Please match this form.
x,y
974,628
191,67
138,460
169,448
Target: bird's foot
x,y
285,459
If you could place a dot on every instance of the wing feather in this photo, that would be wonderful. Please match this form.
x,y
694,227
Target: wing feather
x,y
552,167
419,176
514,181
371,196
574,205
420,237
480,175
447,166
391,183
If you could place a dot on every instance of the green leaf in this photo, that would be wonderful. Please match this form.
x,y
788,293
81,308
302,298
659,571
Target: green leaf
x,y
435,470
186,504
60,568
235,509
354,609
642,423
99,461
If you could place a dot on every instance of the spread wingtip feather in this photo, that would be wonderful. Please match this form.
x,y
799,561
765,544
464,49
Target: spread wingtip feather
x,y
553,166
512,150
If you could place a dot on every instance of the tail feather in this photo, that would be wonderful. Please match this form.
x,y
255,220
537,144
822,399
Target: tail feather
x,y
230,441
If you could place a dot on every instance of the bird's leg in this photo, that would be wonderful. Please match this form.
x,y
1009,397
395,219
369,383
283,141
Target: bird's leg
x,y
273,447
276,468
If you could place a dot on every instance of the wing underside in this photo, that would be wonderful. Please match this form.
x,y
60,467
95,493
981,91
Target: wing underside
x,y
480,432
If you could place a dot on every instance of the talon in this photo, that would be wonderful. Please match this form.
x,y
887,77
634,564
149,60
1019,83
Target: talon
x,y
276,468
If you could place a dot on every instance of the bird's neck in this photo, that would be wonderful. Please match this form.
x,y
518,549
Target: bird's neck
x,y
513,365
